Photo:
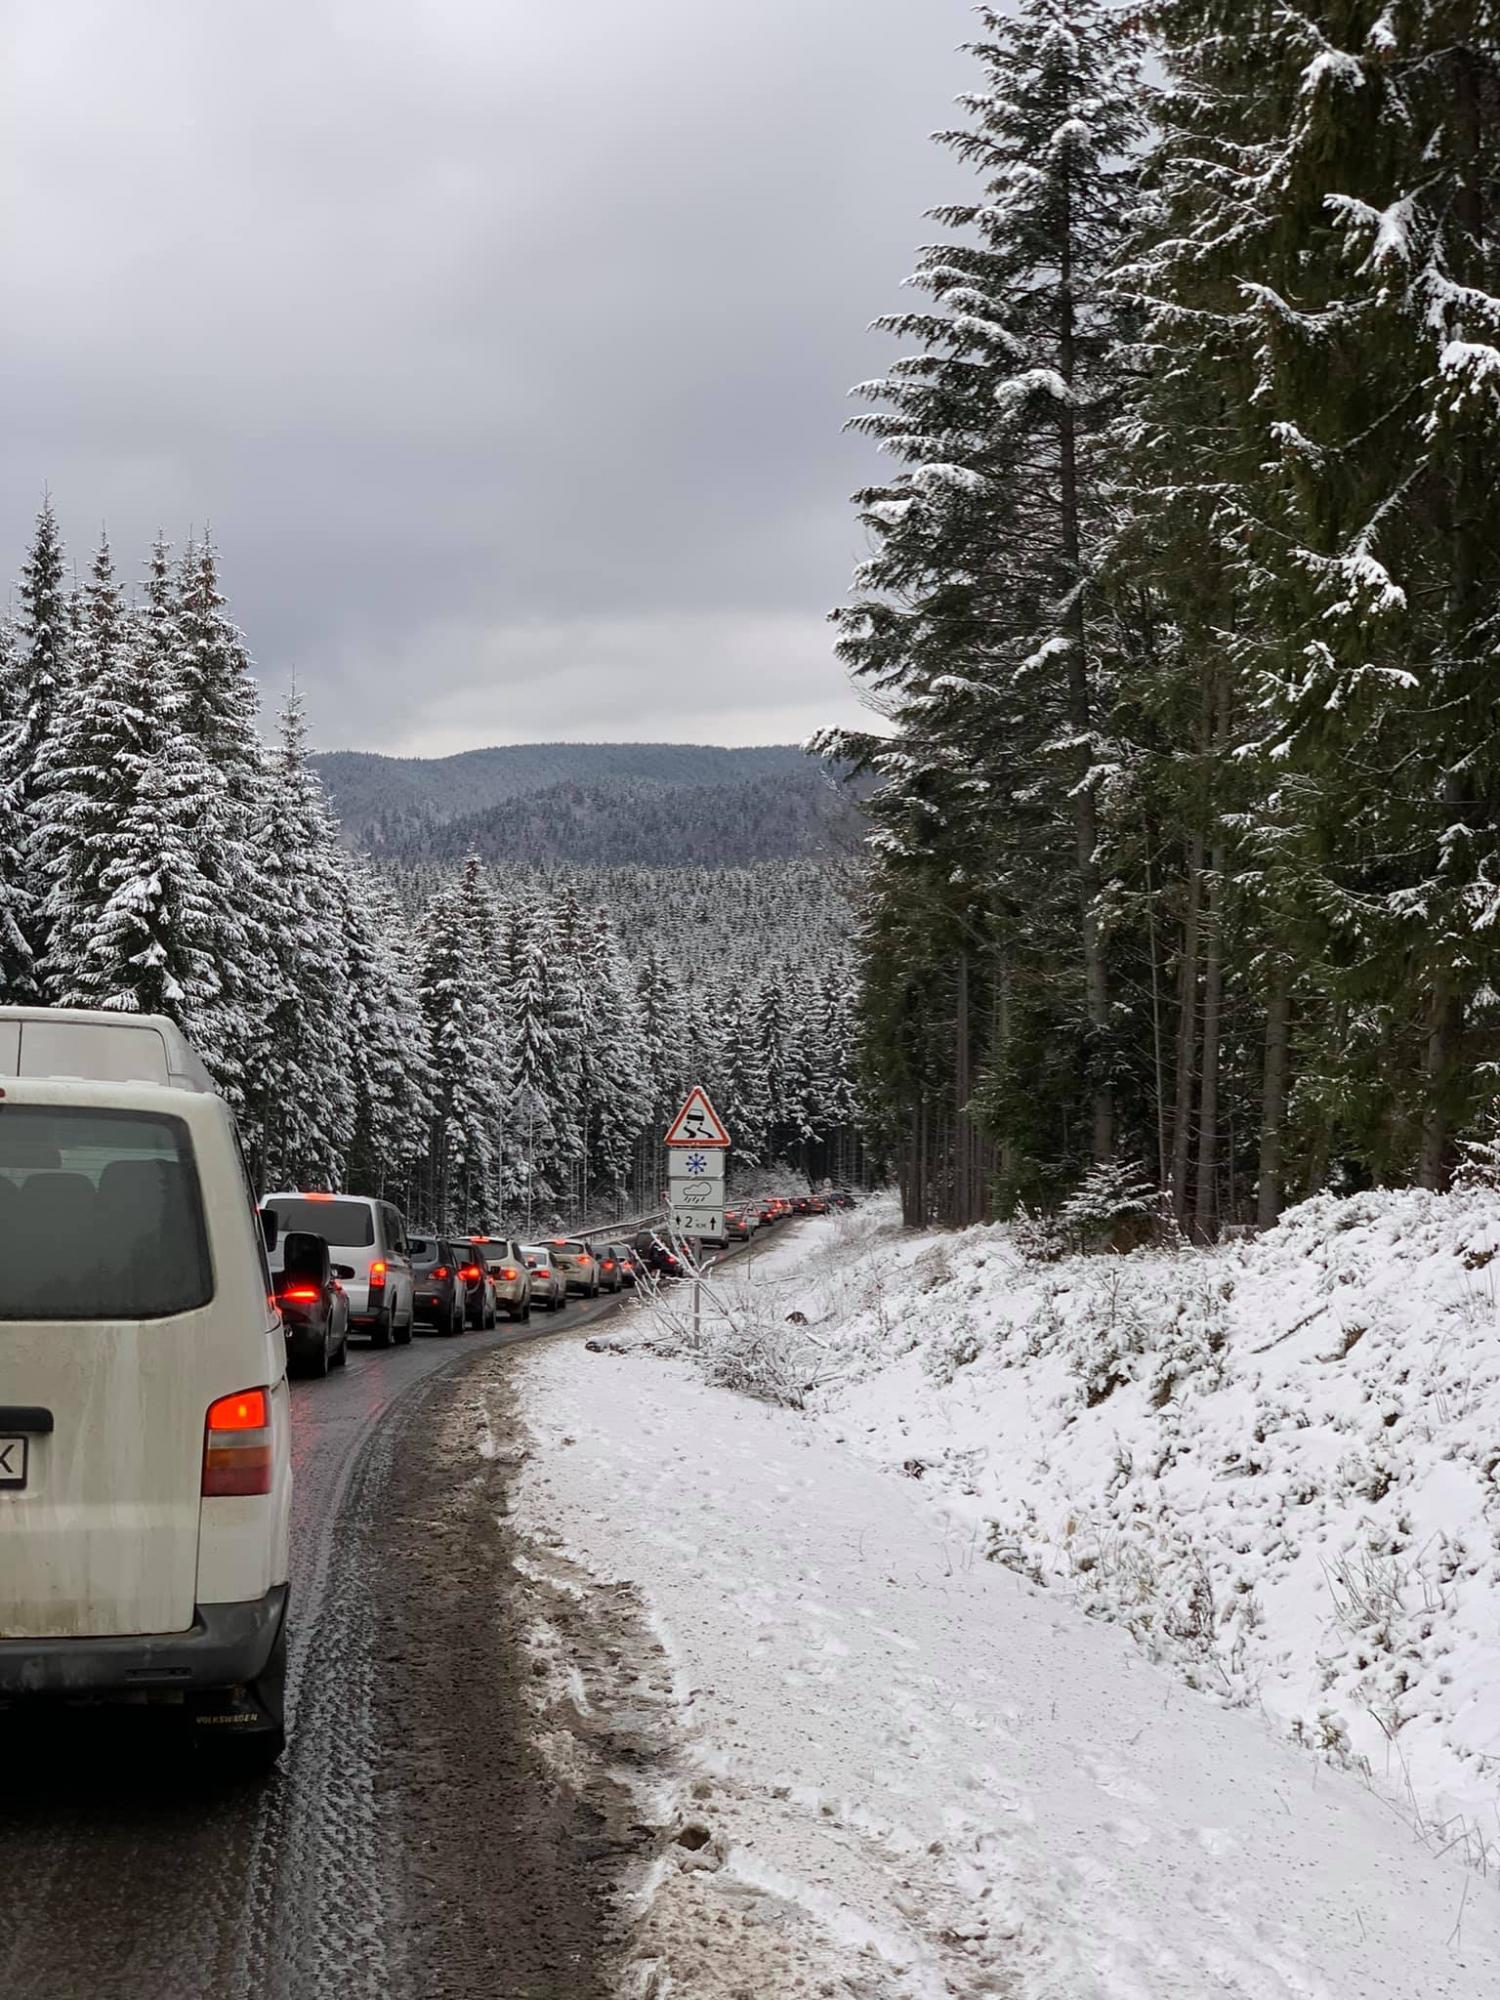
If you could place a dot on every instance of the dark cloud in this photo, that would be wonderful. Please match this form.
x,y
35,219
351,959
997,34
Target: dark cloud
x,y
504,344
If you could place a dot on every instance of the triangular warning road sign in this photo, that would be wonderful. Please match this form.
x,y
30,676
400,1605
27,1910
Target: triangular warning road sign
x,y
697,1123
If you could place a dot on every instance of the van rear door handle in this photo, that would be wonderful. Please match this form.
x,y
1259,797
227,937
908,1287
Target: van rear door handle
x,y
25,1417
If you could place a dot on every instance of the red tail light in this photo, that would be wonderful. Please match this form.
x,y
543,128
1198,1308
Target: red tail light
x,y
237,1445
305,1293
440,1271
377,1274
508,1274
469,1273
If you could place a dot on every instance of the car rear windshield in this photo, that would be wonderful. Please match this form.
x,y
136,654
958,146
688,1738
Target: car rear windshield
x,y
343,1225
101,1215
568,1249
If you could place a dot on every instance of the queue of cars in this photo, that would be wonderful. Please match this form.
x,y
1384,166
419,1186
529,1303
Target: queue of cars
x,y
145,1511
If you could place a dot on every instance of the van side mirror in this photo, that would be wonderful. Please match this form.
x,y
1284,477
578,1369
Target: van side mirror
x,y
270,1226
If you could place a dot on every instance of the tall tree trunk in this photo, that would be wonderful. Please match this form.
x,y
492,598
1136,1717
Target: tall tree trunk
x,y
1445,1023
1187,1034
1158,1058
1081,720
1206,1198
1273,1101
963,1089
1009,1158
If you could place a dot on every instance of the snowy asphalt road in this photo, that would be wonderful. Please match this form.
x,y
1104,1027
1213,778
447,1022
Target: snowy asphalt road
x,y
412,1844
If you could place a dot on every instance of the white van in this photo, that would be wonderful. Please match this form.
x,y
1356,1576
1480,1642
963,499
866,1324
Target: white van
x,y
145,1461
367,1238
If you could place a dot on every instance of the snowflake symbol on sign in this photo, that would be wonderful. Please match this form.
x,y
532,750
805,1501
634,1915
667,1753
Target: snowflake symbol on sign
x,y
697,1164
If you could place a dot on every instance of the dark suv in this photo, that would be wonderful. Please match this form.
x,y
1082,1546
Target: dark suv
x,y
437,1288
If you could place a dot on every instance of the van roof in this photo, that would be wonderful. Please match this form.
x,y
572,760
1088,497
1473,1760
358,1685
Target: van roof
x,y
99,1047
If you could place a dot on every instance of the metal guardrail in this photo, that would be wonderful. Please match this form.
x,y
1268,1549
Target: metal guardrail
x,y
625,1231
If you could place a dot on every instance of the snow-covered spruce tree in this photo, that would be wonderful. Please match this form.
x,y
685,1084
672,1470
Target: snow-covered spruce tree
x,y
743,1098
154,947
1329,263
614,1058
389,1058
215,687
101,739
536,1107
35,684
459,1007
975,624
299,1087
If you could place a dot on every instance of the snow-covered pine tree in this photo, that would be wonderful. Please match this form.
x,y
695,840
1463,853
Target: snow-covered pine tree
x,y
299,1086
742,1095
154,948
613,1057
36,684
1326,277
458,1006
389,1056
218,699
977,624
534,1070
100,741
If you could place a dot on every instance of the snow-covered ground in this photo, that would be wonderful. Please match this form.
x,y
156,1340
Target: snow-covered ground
x,y
1275,1463
905,1771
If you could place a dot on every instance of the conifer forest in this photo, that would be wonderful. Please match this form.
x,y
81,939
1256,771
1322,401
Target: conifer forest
x,y
1180,616
484,1046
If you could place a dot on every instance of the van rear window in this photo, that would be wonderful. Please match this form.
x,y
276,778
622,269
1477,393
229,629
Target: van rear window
x,y
343,1225
101,1215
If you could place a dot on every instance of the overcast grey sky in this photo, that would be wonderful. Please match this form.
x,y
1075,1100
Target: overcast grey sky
x,y
505,344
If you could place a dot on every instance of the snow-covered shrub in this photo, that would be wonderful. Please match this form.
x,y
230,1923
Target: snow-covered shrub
x,y
1114,1201
1037,1236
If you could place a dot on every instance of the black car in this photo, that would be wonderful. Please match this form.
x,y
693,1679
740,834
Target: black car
x,y
611,1259
438,1289
314,1309
659,1257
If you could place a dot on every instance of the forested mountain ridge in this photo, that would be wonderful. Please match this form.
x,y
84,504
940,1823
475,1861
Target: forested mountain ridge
x,y
593,804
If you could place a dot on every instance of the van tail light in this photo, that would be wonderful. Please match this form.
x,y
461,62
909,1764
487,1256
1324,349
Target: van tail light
x,y
237,1445
306,1293
377,1274
509,1273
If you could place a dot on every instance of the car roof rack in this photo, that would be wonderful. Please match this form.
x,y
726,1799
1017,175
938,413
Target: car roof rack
x,y
98,1046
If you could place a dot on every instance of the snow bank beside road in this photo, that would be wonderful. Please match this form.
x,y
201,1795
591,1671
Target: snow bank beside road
x,y
909,1774
1276,1463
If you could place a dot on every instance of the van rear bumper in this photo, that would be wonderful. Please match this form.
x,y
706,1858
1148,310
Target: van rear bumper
x,y
226,1645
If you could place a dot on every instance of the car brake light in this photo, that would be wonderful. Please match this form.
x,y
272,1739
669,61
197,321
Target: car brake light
x,y
508,1274
469,1273
440,1271
377,1274
237,1445
584,1257
302,1292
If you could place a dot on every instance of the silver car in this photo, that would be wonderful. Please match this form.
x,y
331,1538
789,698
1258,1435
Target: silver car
x,y
369,1237
549,1285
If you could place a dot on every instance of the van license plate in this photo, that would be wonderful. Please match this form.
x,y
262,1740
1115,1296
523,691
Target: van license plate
x,y
12,1461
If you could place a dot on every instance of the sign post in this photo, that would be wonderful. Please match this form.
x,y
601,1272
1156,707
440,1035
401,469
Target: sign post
x,y
697,1155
